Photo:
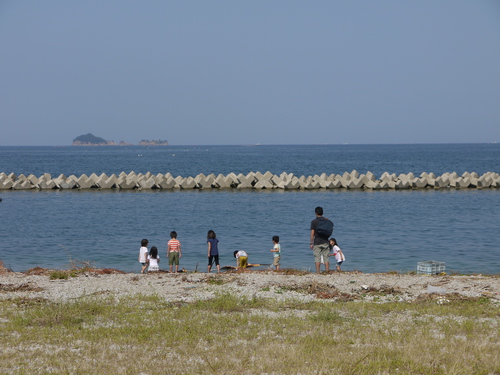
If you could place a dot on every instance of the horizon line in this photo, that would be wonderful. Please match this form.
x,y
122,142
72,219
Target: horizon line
x,y
262,144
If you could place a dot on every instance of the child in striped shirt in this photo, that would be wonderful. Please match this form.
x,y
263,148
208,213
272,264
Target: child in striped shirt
x,y
174,252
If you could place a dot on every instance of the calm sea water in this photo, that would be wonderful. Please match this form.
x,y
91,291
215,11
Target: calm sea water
x,y
378,231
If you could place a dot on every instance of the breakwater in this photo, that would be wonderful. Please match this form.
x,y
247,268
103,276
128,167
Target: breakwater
x,y
252,180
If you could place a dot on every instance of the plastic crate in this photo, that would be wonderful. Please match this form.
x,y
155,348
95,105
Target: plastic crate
x,y
430,267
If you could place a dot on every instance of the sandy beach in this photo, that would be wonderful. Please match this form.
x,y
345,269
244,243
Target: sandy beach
x,y
288,285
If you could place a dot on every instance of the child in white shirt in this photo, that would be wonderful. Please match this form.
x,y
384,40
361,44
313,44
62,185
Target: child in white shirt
x,y
143,255
277,252
335,249
154,259
241,259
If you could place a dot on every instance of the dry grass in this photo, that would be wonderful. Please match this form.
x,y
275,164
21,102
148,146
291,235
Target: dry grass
x,y
292,271
3,269
76,269
217,279
229,334
25,287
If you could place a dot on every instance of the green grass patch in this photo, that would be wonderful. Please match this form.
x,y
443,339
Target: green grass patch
x,y
215,281
59,275
234,334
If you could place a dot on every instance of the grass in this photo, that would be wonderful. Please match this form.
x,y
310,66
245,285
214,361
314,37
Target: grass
x,y
230,334
216,280
76,269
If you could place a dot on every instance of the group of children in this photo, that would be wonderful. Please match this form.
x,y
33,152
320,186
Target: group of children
x,y
242,257
150,259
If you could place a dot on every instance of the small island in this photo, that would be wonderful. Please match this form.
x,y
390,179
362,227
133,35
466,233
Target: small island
x,y
153,142
91,140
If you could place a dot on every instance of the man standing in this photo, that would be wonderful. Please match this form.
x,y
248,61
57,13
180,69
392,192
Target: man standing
x,y
321,230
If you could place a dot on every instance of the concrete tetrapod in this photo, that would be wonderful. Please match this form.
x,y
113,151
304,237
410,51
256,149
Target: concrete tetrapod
x,y
252,180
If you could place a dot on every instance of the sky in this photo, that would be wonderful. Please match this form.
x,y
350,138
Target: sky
x,y
248,72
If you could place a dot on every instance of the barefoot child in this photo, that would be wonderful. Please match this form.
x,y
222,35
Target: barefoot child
x,y
241,259
339,255
213,250
174,252
277,252
143,255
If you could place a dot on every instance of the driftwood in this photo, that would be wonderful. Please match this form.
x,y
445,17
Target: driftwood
x,y
248,265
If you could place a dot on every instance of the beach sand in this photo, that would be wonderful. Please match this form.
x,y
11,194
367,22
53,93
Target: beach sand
x,y
287,285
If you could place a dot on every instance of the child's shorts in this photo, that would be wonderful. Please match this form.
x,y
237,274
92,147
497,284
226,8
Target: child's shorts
x,y
339,263
276,261
173,258
242,262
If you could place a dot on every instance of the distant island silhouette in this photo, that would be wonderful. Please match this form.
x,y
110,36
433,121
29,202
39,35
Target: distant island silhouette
x,y
153,142
91,140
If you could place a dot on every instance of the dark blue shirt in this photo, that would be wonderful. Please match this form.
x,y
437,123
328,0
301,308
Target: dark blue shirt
x,y
214,250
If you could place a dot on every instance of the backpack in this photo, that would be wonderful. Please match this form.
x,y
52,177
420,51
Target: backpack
x,y
324,228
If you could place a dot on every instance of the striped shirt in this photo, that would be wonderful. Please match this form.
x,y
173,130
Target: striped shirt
x,y
174,245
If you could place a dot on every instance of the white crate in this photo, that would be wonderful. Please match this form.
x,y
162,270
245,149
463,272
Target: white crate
x,y
430,267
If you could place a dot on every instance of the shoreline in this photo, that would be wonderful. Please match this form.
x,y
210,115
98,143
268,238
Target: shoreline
x,y
289,285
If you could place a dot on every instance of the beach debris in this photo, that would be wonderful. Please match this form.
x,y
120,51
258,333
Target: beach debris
x,y
442,301
25,287
383,290
436,289
430,267
340,296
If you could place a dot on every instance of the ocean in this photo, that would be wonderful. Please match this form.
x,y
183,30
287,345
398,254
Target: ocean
x,y
378,231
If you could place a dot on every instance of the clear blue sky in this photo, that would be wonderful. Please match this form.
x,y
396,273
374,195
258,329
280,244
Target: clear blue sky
x,y
246,72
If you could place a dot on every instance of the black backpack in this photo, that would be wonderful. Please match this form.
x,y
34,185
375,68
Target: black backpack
x,y
324,228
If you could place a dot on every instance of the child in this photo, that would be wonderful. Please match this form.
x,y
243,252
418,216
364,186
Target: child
x,y
174,252
143,255
154,259
277,252
335,249
241,259
213,250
